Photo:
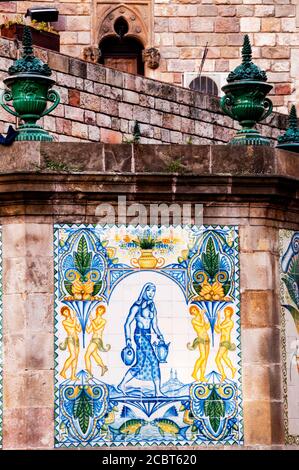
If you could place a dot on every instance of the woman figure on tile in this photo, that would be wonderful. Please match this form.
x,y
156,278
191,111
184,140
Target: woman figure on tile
x,y
143,313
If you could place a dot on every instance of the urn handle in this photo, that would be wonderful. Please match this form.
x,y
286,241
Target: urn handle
x,y
226,102
53,96
269,107
6,95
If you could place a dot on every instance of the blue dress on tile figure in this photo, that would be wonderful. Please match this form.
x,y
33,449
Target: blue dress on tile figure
x,y
146,366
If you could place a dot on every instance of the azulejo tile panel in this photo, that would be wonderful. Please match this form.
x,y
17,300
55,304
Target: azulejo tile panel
x,y
289,296
147,336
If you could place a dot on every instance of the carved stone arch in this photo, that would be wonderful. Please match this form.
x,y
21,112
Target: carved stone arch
x,y
136,26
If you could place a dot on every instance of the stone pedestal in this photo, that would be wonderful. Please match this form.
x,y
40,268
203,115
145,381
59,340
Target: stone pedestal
x,y
256,190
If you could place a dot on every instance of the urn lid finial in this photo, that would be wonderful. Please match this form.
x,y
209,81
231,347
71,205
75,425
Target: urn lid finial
x,y
291,135
28,63
247,70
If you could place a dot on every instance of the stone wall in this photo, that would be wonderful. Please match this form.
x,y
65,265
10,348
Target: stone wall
x,y
102,104
258,191
181,28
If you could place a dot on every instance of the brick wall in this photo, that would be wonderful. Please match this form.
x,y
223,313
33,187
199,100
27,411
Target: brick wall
x,y
102,104
181,28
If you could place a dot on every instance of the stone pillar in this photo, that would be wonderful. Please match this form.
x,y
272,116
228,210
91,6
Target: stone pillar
x,y
28,419
260,330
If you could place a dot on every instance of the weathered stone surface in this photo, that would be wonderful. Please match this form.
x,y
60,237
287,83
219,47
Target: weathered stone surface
x,y
259,309
261,345
253,161
40,429
261,382
254,238
254,271
13,157
72,160
257,422
118,158
14,428
39,351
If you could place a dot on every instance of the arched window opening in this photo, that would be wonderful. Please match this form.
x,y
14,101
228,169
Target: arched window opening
x,y
204,85
121,27
122,52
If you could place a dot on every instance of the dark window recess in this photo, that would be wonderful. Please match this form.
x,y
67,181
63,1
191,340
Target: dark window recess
x,y
204,85
122,53
121,27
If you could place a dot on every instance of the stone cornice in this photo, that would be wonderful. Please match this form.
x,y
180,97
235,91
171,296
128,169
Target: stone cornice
x,y
49,178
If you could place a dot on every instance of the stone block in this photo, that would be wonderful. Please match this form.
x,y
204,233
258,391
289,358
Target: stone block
x,y
257,422
282,11
277,52
256,271
20,156
283,89
258,238
14,314
118,158
103,120
14,352
106,104
40,429
259,309
39,351
265,39
58,62
227,25
96,72
14,275
90,117
248,25
177,24
14,429
74,113
252,161
71,155
197,25
111,137
94,133
271,25
131,97
77,68
141,114
125,111
260,345
114,78
40,385
65,80
207,10
264,10
79,130
15,391
38,312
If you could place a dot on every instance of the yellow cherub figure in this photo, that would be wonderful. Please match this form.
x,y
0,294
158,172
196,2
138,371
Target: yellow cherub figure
x,y
72,328
202,341
224,328
96,327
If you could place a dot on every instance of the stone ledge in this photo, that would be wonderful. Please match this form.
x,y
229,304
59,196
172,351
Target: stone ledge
x,y
183,160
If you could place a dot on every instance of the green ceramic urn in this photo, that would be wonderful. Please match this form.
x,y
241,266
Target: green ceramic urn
x,y
29,89
245,99
290,139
